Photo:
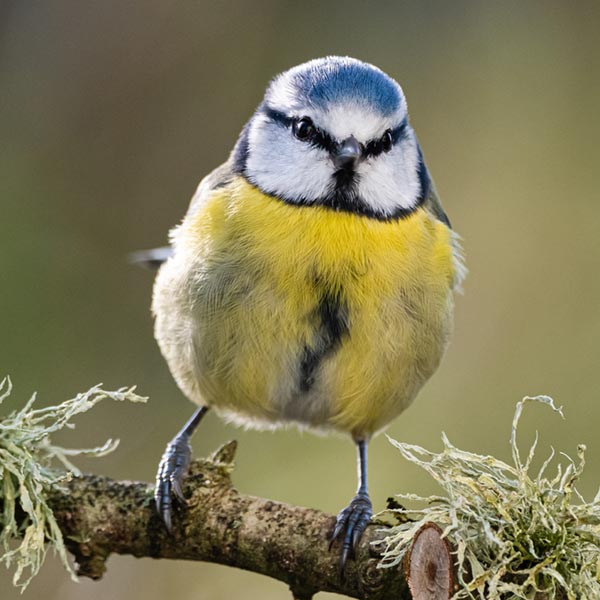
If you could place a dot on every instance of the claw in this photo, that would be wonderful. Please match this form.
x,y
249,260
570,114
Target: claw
x,y
351,524
176,487
172,469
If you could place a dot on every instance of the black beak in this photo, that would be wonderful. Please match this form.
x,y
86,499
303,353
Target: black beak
x,y
348,154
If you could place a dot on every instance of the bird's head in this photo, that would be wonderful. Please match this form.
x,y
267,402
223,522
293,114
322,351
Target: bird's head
x,y
335,132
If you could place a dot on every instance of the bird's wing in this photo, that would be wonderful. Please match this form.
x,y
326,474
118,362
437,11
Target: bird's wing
x,y
152,259
433,204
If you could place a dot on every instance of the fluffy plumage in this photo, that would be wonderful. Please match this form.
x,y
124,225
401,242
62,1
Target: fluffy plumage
x,y
311,281
257,287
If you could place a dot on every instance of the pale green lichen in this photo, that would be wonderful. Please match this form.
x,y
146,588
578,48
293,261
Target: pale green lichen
x,y
27,456
515,533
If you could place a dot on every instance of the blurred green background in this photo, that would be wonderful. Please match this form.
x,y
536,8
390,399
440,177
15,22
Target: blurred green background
x,y
111,112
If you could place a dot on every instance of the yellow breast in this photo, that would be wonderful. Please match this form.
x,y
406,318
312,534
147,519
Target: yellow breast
x,y
304,314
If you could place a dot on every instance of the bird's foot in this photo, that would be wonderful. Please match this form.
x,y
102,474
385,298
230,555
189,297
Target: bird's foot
x,y
351,524
172,469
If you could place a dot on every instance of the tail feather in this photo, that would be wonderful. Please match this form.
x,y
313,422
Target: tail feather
x,y
151,259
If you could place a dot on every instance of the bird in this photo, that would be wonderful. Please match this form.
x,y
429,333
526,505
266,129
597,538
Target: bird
x,y
311,281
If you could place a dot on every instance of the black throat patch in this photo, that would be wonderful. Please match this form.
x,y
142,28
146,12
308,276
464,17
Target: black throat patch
x,y
332,326
344,193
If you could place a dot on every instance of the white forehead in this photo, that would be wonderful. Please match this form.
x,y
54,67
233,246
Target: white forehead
x,y
343,120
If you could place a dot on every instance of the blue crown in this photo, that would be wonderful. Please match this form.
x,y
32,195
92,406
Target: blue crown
x,y
325,81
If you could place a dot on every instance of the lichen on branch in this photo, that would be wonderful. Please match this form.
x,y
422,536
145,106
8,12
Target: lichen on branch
x,y
517,533
28,461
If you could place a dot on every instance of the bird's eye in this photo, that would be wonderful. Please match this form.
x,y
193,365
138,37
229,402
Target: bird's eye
x,y
303,128
386,141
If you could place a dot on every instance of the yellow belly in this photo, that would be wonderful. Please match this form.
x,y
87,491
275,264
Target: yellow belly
x,y
274,313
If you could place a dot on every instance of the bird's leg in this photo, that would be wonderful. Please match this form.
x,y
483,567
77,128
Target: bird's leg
x,y
173,466
353,520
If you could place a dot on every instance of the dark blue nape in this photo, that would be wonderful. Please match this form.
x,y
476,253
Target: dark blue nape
x,y
331,80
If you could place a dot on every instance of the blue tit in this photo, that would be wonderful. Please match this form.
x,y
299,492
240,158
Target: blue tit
x,y
311,280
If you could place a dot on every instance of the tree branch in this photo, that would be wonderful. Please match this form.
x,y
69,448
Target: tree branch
x,y
99,516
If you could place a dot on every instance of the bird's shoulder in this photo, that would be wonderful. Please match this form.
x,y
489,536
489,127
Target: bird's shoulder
x,y
217,179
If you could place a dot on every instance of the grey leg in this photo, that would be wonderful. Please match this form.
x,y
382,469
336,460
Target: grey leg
x,y
353,520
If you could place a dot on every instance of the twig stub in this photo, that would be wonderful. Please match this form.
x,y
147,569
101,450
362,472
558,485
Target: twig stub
x,y
429,565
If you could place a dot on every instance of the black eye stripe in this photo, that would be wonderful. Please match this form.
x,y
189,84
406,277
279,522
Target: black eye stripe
x,y
399,132
321,139
376,147
278,117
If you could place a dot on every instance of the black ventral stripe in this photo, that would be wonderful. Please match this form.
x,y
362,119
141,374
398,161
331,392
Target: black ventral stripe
x,y
332,327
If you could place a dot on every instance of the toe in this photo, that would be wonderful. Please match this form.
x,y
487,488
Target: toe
x,y
351,524
340,525
359,529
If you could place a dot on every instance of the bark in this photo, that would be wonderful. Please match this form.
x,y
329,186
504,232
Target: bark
x,y
100,516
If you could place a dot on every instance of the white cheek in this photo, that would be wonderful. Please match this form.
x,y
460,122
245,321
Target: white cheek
x,y
391,181
281,165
